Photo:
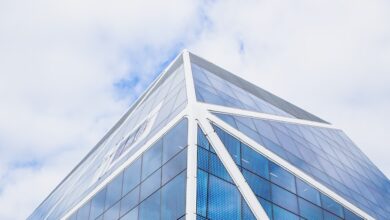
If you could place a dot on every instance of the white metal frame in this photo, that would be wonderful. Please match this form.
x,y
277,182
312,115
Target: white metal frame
x,y
200,114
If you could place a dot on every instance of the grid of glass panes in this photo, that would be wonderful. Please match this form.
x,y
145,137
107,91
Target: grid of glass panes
x,y
217,195
212,89
282,195
151,187
327,155
171,94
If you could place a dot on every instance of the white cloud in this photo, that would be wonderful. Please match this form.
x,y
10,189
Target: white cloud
x,y
60,61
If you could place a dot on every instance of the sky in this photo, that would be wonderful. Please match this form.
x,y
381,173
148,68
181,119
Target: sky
x,y
70,69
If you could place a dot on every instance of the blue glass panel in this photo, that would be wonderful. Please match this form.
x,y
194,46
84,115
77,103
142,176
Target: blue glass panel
x,y
150,208
218,169
132,215
282,214
308,192
129,201
266,130
328,156
231,144
173,198
330,216
228,119
114,191
73,216
309,210
132,176
259,186
332,206
151,160
282,177
223,194
202,140
203,159
221,92
151,184
254,162
267,206
112,213
175,140
174,166
97,204
246,212
83,212
284,198
351,216
201,193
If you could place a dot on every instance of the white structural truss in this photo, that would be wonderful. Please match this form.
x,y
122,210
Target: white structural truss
x,y
201,114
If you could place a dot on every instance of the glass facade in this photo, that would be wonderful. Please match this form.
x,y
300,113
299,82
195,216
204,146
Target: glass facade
x,y
325,154
149,188
217,196
282,195
222,88
154,185
138,125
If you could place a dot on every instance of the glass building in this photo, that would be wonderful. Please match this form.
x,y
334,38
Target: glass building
x,y
202,143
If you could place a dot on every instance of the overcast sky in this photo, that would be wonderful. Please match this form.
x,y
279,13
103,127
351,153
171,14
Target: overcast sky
x,y
70,69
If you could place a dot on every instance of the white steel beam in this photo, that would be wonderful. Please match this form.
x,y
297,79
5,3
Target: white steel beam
x,y
275,158
253,114
140,151
230,166
192,140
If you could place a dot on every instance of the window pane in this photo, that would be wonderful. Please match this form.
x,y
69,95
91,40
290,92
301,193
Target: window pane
x,y
203,159
282,214
83,212
150,208
175,140
173,198
201,192
114,191
282,177
151,160
202,140
309,211
132,215
332,206
132,176
231,144
223,194
308,192
284,198
267,206
174,166
151,184
254,162
217,168
246,211
112,213
73,216
259,186
330,216
97,204
130,200
351,216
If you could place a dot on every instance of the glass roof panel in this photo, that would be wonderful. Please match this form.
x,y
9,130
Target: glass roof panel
x,y
214,85
325,154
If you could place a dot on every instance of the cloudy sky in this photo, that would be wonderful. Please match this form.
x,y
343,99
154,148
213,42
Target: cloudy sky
x,y
69,69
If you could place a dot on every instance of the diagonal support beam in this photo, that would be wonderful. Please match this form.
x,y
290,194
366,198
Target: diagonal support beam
x,y
231,167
